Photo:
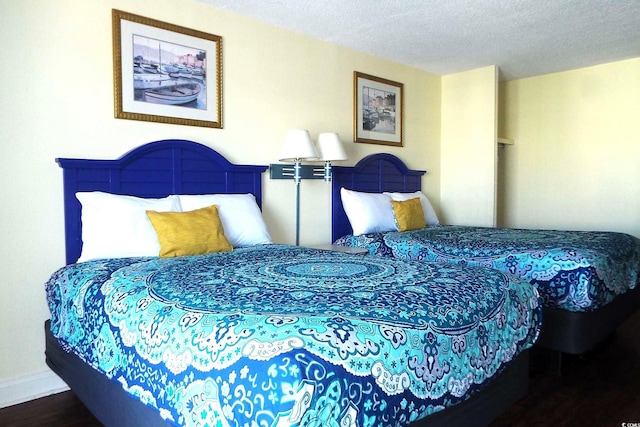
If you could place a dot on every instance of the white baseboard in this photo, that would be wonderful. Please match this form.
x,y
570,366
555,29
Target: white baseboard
x,y
29,387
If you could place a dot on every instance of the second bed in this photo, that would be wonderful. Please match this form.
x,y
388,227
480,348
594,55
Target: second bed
x,y
587,279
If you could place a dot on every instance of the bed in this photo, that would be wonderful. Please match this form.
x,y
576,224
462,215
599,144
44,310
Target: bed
x,y
269,334
587,280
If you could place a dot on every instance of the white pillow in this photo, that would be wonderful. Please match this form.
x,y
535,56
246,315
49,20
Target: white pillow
x,y
239,213
368,212
115,226
430,216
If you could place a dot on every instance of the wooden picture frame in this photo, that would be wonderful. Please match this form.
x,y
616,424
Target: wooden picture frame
x,y
166,73
378,110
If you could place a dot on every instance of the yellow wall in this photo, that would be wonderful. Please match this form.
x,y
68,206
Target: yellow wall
x,y
57,101
468,148
575,163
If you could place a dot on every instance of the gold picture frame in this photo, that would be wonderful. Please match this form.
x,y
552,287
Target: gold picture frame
x,y
378,110
166,73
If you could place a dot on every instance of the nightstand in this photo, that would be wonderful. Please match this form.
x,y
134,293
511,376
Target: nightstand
x,y
346,249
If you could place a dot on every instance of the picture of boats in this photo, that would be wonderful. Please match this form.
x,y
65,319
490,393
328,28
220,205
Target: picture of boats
x,y
168,73
378,110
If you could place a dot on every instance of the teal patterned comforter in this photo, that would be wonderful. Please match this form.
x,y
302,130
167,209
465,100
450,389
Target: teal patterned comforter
x,y
573,270
284,336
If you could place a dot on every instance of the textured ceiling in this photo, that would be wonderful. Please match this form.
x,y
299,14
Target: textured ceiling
x,y
522,37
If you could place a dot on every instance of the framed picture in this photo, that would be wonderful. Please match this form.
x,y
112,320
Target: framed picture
x,y
166,73
377,116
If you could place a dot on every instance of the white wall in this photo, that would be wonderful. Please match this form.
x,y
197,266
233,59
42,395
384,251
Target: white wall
x,y
57,101
575,163
468,148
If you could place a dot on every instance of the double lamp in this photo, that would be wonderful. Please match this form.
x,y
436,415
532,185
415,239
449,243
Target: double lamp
x,y
298,147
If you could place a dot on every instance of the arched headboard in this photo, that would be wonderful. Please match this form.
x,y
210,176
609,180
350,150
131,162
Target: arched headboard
x,y
374,174
156,169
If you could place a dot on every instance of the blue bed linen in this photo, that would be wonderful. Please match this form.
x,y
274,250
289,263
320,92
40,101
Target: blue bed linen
x,y
280,335
573,270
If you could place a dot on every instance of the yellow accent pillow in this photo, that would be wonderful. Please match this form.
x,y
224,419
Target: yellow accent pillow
x,y
409,215
189,233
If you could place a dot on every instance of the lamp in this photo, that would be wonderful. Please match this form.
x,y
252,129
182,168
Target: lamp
x,y
298,146
331,149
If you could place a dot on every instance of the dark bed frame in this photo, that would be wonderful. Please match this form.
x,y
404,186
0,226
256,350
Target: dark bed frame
x,y
562,330
161,168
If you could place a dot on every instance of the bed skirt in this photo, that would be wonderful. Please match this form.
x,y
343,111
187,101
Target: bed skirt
x,y
576,332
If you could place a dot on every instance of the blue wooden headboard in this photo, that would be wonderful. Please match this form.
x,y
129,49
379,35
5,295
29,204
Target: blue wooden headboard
x,y
154,170
374,174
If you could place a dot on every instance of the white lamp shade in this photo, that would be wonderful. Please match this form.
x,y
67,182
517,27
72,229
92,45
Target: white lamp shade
x,y
298,146
330,147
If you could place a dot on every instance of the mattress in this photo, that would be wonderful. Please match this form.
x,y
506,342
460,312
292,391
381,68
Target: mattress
x,y
576,271
281,335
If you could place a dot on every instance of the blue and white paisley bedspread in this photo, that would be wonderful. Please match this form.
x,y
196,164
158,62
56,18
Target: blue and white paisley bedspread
x,y
284,336
573,270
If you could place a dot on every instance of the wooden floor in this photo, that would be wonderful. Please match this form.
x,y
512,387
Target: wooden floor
x,y
600,388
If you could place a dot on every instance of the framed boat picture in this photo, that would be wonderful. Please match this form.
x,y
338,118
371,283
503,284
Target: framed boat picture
x,y
377,115
166,73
